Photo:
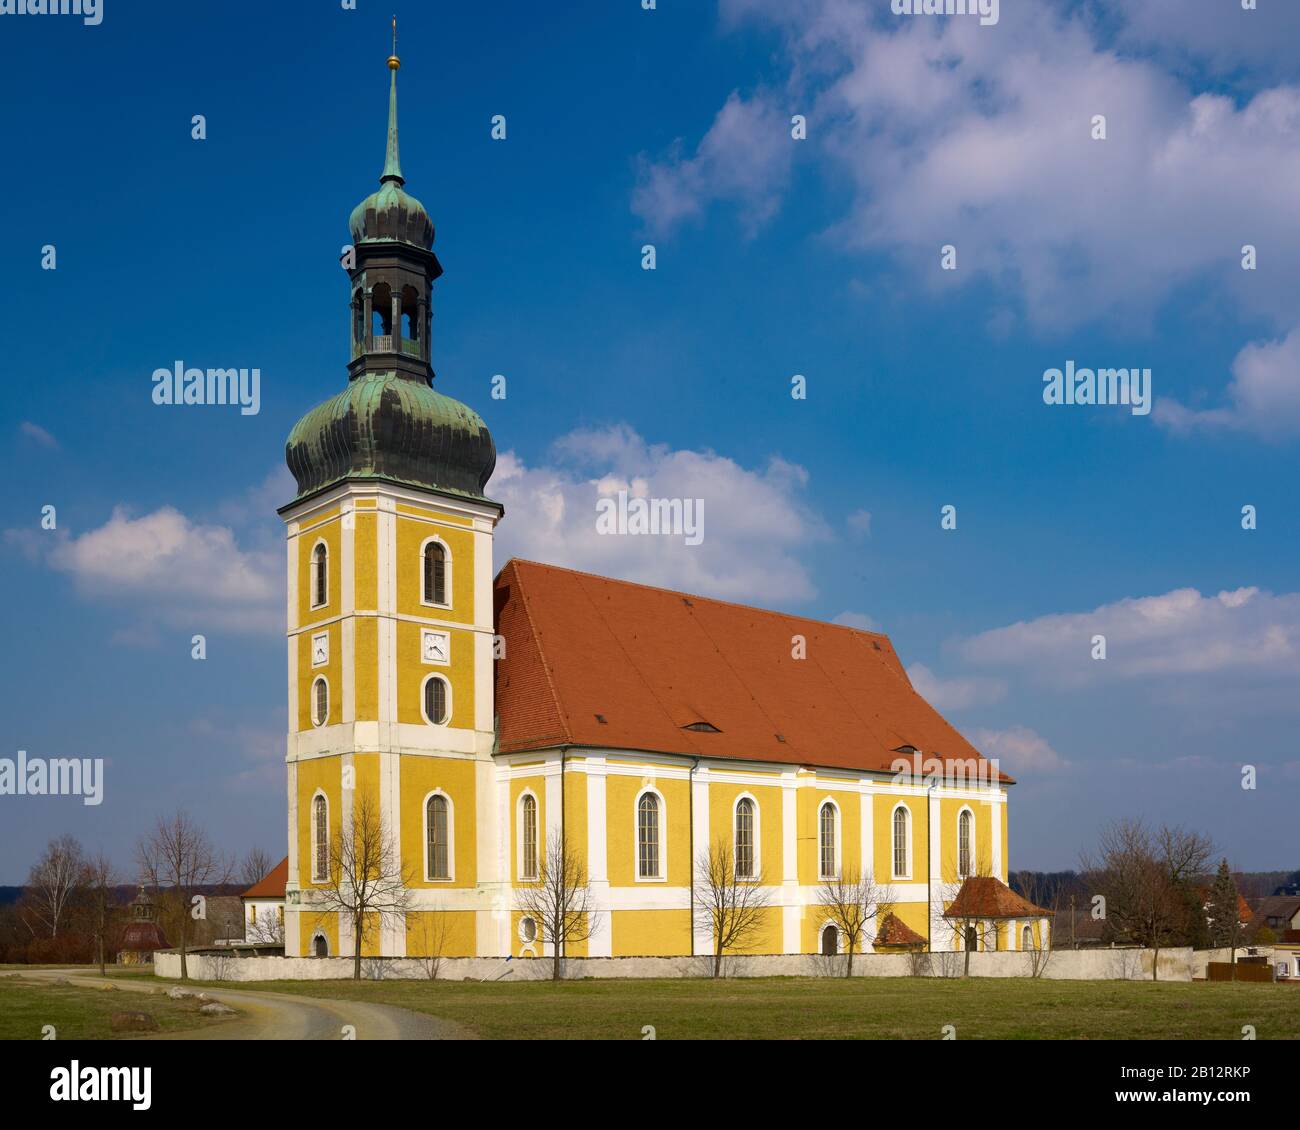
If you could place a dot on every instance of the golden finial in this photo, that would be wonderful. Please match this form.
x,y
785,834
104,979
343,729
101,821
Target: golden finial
x,y
393,61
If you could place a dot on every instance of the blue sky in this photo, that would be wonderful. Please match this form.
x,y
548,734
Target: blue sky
x,y
775,257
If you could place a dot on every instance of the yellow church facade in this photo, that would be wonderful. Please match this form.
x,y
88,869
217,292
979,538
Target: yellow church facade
x,y
478,715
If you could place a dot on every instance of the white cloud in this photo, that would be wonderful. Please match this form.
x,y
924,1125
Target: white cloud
x,y
1180,633
1264,396
178,571
859,523
948,132
757,523
744,158
954,694
39,434
859,620
1018,749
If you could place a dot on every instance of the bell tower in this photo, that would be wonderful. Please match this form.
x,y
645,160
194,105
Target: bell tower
x,y
390,618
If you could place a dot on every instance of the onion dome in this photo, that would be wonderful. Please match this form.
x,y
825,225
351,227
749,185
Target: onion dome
x,y
386,426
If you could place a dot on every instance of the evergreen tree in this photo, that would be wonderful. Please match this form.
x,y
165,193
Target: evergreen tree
x,y
1222,909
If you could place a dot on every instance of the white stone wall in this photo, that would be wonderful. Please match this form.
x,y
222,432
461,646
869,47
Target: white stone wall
x,y
1064,965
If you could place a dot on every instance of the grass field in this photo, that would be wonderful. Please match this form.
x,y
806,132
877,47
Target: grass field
x,y
863,1008
81,1013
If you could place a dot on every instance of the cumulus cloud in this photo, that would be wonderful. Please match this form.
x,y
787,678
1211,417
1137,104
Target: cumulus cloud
x,y
954,694
859,620
1263,397
1180,633
947,132
1018,749
744,159
173,569
757,523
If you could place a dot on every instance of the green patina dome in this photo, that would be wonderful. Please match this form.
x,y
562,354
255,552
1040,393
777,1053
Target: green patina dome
x,y
386,426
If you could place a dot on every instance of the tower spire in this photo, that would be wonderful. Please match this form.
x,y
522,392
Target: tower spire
x,y
392,163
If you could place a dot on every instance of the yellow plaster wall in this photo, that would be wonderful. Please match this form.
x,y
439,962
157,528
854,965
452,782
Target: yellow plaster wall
x,y
412,671
326,528
333,672
455,777
722,803
621,793
411,534
650,933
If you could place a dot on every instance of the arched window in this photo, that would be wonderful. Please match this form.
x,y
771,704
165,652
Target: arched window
x,y
438,826
320,701
527,930
745,838
320,576
320,840
826,853
435,573
381,318
902,843
965,842
647,836
830,941
528,837
319,946
435,700
1027,938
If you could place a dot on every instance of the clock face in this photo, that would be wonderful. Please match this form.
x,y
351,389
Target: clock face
x,y
437,647
320,650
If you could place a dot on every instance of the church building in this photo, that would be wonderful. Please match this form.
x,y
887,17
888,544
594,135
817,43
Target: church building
x,y
471,717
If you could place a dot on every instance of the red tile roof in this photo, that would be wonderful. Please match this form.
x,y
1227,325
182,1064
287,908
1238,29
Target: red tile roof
x,y
591,661
895,932
982,896
271,885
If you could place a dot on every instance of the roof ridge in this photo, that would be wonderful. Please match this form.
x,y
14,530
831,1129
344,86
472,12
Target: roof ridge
x,y
695,596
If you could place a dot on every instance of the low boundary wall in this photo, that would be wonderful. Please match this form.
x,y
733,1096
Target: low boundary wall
x,y
1062,965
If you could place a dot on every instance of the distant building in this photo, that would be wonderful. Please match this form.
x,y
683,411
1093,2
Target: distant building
x,y
264,906
142,936
1281,915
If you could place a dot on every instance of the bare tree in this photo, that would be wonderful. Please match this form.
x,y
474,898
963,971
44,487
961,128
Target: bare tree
x,y
1145,877
52,883
433,942
1048,897
560,901
265,929
970,932
179,862
731,909
852,901
100,880
255,865
368,882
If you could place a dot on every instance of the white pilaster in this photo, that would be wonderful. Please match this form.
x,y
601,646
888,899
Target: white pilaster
x,y
600,944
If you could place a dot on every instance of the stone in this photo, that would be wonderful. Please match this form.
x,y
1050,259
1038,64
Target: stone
x,y
216,1008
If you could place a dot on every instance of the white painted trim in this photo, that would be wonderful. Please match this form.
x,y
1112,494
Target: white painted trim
x,y
446,569
519,837
837,832
315,720
662,859
311,575
316,877
450,877
450,710
909,843
757,874
974,840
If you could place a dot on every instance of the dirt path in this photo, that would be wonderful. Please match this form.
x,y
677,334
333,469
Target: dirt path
x,y
277,1016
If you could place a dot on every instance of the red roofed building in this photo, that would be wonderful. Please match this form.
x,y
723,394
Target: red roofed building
x,y
264,906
